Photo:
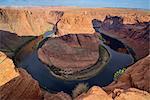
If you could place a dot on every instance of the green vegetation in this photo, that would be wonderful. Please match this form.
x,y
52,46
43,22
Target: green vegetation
x,y
100,37
118,73
84,73
49,28
79,89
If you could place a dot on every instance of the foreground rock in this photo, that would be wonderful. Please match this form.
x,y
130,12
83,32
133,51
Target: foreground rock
x,y
21,87
96,93
7,69
58,96
70,52
136,76
130,94
17,84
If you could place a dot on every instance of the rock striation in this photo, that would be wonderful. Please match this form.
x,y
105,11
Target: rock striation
x,y
134,35
130,94
7,69
36,20
28,21
96,93
17,84
136,76
70,52
132,28
58,96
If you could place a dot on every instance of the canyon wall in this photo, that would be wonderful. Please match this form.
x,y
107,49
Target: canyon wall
x,y
73,20
34,21
16,83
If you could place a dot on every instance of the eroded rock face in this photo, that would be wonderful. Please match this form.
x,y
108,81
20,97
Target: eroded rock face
x,y
75,23
25,22
95,93
21,87
134,35
70,52
136,76
16,83
35,20
58,96
11,42
130,94
7,69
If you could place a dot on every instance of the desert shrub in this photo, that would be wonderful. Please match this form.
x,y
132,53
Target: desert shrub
x,y
100,37
118,73
79,89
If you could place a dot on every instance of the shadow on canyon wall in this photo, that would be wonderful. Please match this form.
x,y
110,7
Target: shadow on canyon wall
x,y
10,42
136,36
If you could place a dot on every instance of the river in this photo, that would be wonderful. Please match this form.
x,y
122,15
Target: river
x,y
41,72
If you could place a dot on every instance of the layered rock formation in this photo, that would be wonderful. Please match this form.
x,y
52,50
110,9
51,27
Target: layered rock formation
x,y
7,69
35,20
11,42
25,22
58,96
132,28
136,76
70,52
16,84
96,93
130,94
132,85
134,35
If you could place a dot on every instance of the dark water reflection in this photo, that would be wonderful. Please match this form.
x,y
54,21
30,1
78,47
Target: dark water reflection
x,y
41,73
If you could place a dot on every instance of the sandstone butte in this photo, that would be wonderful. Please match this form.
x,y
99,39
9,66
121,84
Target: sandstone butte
x,y
72,52
132,85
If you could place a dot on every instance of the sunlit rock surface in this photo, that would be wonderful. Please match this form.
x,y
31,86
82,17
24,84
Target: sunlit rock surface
x,y
7,69
70,52
136,76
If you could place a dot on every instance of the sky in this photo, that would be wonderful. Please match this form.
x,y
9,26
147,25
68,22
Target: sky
x,y
143,4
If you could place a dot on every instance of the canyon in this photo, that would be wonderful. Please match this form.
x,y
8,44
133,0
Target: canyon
x,y
18,26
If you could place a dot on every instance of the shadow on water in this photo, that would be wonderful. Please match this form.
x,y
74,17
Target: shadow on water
x,y
41,73
11,43
27,58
